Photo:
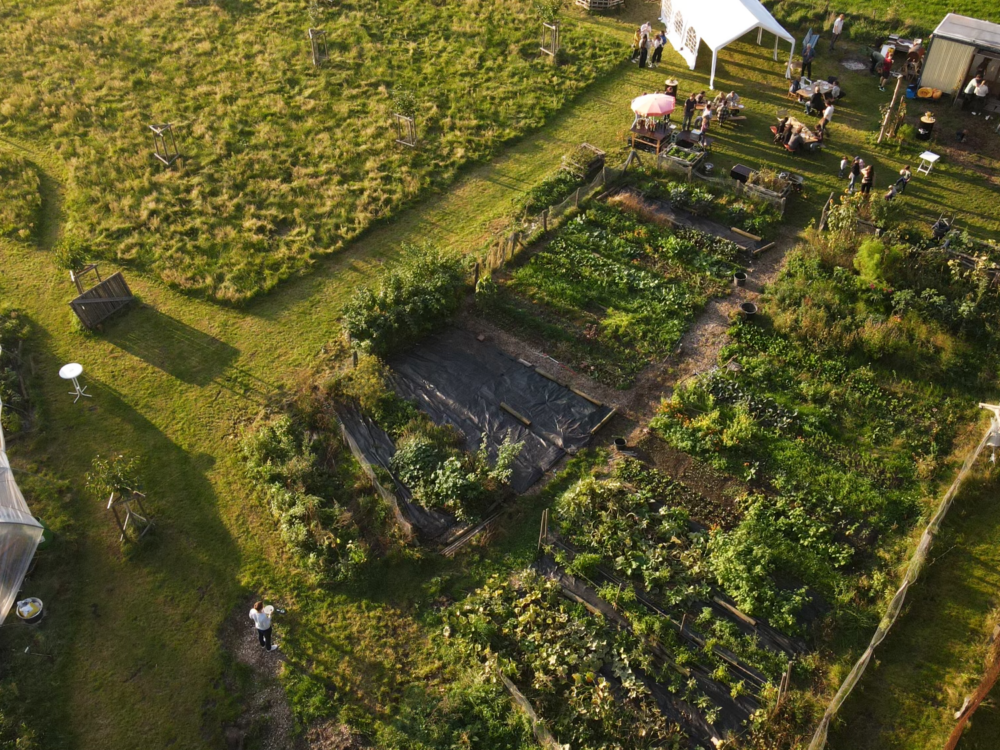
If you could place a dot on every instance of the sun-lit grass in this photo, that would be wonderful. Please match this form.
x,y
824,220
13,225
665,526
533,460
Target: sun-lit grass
x,y
136,652
282,162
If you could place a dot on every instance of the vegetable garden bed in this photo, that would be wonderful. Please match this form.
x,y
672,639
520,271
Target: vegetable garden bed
x,y
610,294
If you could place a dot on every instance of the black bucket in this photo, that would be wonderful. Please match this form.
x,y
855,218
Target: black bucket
x,y
748,310
620,444
740,278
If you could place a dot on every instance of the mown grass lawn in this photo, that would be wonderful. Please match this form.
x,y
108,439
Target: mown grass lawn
x,y
134,641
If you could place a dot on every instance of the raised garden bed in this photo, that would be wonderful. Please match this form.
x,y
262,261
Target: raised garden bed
x,y
610,294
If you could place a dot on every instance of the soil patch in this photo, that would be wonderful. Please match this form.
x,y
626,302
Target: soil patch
x,y
266,721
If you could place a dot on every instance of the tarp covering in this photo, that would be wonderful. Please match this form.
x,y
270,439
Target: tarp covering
x,y
462,382
716,23
20,533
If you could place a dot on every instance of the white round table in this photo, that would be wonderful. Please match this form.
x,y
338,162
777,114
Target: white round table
x,y
71,372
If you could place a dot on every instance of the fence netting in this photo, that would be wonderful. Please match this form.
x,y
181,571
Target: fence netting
x,y
913,569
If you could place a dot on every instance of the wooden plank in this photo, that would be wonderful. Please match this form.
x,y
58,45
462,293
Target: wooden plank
x,y
603,422
517,415
740,232
548,376
583,395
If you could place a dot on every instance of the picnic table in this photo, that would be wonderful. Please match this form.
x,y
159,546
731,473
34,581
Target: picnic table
x,y
808,136
656,138
805,93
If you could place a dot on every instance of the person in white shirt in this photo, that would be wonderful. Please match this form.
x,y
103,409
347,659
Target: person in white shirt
x,y
646,30
976,92
261,617
828,112
838,29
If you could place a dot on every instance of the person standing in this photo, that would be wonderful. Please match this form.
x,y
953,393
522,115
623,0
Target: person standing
x,y
706,122
844,164
855,174
838,29
982,91
658,41
808,55
636,39
867,179
261,617
905,175
643,51
689,105
886,71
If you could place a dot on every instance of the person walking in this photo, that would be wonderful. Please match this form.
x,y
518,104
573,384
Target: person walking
x,y
636,39
838,29
261,617
867,179
905,175
844,164
643,51
886,71
689,105
855,174
658,41
808,55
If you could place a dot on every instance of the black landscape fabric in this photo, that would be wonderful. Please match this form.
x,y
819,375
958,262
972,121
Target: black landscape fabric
x,y
461,381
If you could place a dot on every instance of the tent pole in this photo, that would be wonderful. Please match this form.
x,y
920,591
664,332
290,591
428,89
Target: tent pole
x,y
715,59
791,54
760,34
775,47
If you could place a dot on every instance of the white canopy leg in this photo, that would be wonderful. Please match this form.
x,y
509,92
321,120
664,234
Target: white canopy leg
x,y
775,47
715,59
760,34
791,55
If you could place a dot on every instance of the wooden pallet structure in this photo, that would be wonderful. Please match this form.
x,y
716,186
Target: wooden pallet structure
x,y
99,302
600,4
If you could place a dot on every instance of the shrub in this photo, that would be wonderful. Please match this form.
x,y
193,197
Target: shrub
x,y
119,473
874,261
463,484
288,470
412,299
552,190
368,384
14,329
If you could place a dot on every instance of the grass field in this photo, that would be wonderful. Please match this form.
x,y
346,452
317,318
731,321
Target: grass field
x,y
282,162
135,652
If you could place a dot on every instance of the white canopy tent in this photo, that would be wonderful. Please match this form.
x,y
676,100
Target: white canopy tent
x,y
20,533
717,23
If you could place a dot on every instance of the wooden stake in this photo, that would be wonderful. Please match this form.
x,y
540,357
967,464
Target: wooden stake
x,y
892,108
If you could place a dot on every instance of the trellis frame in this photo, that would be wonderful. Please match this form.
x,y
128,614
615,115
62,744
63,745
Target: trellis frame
x,y
136,516
164,144
317,44
550,38
406,130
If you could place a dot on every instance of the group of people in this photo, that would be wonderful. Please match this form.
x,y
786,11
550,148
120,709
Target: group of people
x,y
862,175
720,107
976,92
643,41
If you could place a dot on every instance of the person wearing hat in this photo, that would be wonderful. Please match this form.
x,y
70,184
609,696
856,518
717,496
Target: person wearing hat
x,y
261,617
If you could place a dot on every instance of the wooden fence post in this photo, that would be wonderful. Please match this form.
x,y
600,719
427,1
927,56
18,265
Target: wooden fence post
x,y
576,200
545,220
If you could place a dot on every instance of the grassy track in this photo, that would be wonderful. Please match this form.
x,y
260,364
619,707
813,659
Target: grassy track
x,y
934,658
137,653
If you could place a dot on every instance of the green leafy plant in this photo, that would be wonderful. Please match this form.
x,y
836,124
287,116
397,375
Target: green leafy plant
x,y
118,473
410,300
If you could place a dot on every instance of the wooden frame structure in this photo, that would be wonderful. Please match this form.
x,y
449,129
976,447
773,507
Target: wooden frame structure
x,y
96,304
406,130
550,39
317,43
133,513
164,145
600,4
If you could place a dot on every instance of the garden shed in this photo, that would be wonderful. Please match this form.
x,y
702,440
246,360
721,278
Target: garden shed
x,y
960,48
717,24
20,533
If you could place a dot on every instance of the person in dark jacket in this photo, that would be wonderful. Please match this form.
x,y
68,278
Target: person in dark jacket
x,y
643,51
817,103
808,55
689,105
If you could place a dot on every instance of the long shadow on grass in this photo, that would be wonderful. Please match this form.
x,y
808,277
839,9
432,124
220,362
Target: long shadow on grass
x,y
169,345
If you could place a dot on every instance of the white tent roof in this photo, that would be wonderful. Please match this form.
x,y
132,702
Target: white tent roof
x,y
970,30
722,22
716,23
20,533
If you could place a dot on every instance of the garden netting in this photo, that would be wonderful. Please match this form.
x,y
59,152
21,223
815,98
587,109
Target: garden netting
x,y
913,570
461,381
20,533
